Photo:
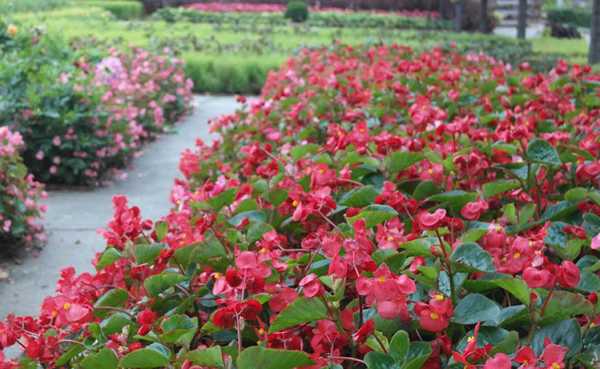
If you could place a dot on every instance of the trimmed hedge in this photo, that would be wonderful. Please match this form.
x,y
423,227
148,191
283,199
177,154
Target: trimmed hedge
x,y
122,9
316,19
579,17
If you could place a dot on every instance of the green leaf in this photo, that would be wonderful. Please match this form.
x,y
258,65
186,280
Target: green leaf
x,y
302,310
73,351
146,254
399,346
379,360
455,199
115,323
223,199
425,189
259,357
541,151
515,287
564,305
257,230
161,229
576,194
400,160
495,188
255,215
566,333
374,214
152,356
156,284
359,197
179,329
211,357
589,282
471,257
103,359
476,308
300,151
418,353
116,297
108,257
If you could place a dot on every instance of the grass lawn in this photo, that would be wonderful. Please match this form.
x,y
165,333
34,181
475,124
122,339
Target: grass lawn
x,y
236,57
576,49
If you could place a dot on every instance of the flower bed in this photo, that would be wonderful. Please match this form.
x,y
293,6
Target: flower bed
x,y
375,208
279,8
81,115
20,210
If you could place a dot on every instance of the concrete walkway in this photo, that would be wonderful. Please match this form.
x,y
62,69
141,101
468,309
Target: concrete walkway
x,y
74,216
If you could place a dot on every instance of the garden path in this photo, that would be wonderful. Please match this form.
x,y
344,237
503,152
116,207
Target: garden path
x,y
74,217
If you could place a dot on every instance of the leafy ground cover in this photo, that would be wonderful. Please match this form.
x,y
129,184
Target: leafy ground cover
x,y
233,53
375,208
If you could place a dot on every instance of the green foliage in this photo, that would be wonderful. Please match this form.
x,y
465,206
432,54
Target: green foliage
x,y
297,11
120,9
579,17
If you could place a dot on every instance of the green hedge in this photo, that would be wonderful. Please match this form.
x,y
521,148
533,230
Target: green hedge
x,y
229,75
246,74
122,9
318,19
579,17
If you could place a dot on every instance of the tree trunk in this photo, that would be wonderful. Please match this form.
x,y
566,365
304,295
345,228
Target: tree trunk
x,y
445,9
459,8
483,16
594,56
522,19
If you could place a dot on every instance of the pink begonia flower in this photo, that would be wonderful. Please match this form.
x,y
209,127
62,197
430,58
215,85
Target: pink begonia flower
x,y
596,242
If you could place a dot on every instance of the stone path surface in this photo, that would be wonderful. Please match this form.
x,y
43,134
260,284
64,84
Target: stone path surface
x,y
74,217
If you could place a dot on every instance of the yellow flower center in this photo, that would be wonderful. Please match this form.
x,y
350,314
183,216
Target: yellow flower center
x,y
434,316
261,332
555,366
381,279
471,339
516,255
66,306
439,297
295,203
218,275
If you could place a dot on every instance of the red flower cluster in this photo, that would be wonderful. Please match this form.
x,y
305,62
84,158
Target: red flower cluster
x,y
374,208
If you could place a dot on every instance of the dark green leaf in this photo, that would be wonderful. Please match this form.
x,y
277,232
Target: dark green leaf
x,y
400,160
302,310
491,189
359,197
211,357
259,357
152,356
476,308
103,359
541,151
471,257
116,297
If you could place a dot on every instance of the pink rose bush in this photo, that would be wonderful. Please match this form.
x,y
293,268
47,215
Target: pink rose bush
x,y
83,119
374,208
20,210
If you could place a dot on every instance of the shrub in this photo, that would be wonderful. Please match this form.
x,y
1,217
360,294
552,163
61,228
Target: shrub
x,y
120,9
317,19
374,208
579,17
80,121
20,194
297,11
